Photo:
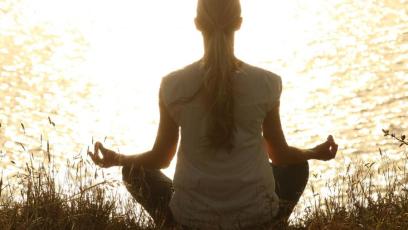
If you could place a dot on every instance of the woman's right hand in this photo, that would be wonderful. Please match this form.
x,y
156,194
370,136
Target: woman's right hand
x,y
326,151
110,158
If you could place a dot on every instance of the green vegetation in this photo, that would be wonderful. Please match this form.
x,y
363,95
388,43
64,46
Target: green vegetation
x,y
34,200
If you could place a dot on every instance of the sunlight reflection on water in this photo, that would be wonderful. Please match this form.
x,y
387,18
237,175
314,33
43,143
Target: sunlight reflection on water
x,y
94,68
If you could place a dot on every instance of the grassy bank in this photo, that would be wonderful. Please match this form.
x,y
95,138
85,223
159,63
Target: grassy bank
x,y
374,196
34,200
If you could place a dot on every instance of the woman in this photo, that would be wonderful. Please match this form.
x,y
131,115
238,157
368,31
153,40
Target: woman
x,y
228,115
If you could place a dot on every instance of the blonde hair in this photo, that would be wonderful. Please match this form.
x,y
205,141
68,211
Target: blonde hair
x,y
218,20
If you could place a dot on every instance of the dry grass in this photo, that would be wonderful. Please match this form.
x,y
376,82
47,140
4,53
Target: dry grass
x,y
34,200
369,198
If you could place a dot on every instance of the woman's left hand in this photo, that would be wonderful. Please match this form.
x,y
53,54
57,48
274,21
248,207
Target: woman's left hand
x,y
326,151
110,158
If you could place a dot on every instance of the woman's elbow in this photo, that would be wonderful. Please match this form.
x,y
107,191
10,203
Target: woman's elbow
x,y
164,164
163,159
162,156
277,160
278,155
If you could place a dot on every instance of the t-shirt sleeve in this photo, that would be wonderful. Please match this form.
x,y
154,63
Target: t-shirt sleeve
x,y
168,95
274,90
164,92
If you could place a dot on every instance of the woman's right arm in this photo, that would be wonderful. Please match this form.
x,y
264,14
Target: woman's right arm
x,y
282,154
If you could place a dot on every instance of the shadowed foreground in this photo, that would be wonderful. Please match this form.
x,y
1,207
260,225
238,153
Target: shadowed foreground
x,y
34,200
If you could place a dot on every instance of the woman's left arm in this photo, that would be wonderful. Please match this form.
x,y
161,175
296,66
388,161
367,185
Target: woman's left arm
x,y
159,157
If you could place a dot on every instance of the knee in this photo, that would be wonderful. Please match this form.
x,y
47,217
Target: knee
x,y
300,168
303,170
299,172
305,167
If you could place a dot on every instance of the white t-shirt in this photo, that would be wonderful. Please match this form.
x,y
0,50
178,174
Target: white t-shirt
x,y
217,188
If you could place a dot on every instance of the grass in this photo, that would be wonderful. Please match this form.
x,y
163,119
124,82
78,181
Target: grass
x,y
34,199
370,198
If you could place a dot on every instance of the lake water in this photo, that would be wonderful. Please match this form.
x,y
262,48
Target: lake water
x,y
93,69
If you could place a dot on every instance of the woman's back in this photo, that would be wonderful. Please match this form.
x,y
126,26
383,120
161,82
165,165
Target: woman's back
x,y
220,185
228,112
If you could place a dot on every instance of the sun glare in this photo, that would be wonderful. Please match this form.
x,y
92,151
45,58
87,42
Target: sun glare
x,y
133,44
154,37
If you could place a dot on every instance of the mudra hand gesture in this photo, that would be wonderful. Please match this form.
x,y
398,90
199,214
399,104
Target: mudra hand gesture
x,y
109,158
327,150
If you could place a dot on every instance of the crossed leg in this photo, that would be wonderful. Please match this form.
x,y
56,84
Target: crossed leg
x,y
153,190
290,182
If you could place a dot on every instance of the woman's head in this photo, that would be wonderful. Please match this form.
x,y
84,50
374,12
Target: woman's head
x,y
218,20
218,15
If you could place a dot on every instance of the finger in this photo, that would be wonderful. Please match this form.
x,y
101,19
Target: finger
x,y
327,144
102,149
333,151
330,139
94,158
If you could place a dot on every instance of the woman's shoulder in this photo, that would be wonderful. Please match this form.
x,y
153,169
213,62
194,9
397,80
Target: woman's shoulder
x,y
261,78
259,72
181,82
181,73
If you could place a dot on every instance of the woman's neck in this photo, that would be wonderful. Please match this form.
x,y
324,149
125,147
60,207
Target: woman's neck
x,y
230,41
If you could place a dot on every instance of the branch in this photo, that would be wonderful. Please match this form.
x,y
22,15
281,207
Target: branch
x,y
401,139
